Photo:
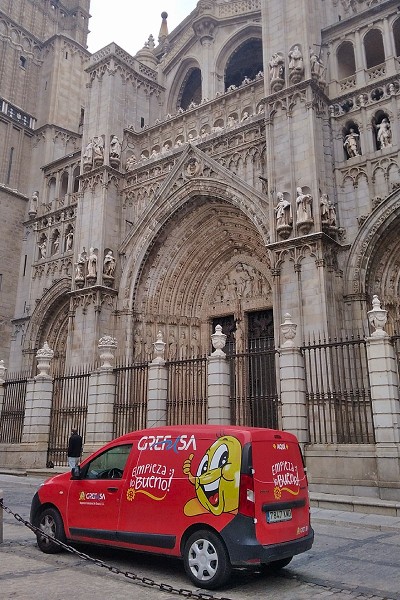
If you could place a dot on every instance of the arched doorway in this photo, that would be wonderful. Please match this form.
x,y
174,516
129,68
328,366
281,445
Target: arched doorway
x,y
209,265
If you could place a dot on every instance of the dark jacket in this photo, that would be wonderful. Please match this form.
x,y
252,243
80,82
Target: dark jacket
x,y
75,445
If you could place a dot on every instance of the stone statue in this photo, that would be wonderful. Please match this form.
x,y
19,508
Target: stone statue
x,y
33,204
98,150
351,143
332,214
276,67
324,206
88,154
130,163
283,211
43,248
92,264
317,66
384,135
109,264
69,240
304,206
80,266
296,63
115,148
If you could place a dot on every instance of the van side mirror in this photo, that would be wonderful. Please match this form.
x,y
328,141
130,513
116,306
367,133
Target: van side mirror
x,y
76,472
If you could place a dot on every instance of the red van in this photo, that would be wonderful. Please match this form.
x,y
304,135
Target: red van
x,y
217,496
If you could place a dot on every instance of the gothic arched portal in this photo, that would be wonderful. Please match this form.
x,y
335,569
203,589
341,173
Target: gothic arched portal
x,y
208,261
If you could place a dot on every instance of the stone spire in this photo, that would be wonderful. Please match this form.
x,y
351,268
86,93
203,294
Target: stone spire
x,y
163,29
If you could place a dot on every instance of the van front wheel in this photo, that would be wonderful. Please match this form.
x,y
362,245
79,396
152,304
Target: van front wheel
x,y
206,560
50,522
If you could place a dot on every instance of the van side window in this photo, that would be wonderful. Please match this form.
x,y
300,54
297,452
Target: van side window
x,y
109,464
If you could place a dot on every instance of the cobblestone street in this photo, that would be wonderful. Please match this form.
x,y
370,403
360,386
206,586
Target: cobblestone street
x,y
347,561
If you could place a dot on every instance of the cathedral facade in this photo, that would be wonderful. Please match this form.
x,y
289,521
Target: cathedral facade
x,y
244,166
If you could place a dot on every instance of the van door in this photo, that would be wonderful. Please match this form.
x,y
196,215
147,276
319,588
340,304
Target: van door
x,y
94,499
281,491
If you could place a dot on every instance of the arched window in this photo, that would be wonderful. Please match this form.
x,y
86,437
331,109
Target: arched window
x,y
75,176
346,60
190,89
373,46
52,190
396,36
245,62
64,185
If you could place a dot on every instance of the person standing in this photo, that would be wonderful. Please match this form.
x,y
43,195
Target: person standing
x,y
74,448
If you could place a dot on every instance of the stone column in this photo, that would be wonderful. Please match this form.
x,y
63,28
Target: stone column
x,y
101,396
384,381
293,388
2,382
157,386
39,396
218,382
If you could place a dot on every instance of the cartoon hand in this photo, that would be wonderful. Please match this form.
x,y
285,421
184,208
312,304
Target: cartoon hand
x,y
186,468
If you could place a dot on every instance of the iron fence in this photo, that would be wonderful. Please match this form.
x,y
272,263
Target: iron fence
x,y
130,403
254,397
13,409
68,410
187,391
338,391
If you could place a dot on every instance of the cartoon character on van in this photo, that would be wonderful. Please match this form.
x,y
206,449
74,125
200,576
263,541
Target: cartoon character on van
x,y
217,478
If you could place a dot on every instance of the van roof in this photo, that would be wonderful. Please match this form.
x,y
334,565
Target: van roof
x,y
254,433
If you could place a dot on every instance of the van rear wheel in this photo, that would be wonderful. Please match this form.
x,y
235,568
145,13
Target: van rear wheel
x,y
50,522
206,560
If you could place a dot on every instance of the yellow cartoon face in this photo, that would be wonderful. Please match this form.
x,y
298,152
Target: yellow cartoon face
x,y
217,479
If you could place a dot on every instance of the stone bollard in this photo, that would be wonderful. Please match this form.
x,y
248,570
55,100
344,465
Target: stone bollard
x,y
1,518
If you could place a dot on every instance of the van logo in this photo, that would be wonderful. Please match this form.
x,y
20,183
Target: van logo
x,y
165,442
286,478
216,482
280,446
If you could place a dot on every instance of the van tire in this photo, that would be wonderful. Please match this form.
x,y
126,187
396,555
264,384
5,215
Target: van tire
x,y
206,560
50,522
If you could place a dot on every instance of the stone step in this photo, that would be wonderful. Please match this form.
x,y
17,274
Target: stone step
x,y
356,504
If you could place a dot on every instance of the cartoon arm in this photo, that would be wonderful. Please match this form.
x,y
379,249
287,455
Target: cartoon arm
x,y
186,468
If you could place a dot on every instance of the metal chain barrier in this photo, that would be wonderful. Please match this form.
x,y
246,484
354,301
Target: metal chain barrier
x,y
163,587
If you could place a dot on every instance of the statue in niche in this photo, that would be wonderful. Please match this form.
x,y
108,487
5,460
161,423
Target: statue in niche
x,y
80,266
183,346
172,346
384,134
324,207
109,264
194,345
43,248
283,211
69,240
130,163
276,67
331,214
115,148
98,150
304,206
56,242
138,343
88,155
352,143
92,264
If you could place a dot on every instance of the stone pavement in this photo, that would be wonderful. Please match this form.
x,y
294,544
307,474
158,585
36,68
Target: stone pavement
x,y
355,556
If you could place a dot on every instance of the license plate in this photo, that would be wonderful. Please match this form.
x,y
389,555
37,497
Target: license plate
x,y
277,516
